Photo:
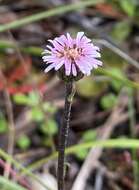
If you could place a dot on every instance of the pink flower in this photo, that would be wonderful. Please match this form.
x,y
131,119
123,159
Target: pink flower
x,y
73,54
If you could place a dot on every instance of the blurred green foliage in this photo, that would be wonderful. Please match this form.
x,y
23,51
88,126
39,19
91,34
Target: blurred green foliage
x,y
121,30
6,184
32,99
88,87
49,128
40,112
108,101
23,142
128,6
37,114
3,124
116,84
87,136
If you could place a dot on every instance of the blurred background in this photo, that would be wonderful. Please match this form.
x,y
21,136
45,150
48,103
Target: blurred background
x,y
106,104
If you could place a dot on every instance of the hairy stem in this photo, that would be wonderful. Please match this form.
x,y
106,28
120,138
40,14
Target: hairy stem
x,y
64,134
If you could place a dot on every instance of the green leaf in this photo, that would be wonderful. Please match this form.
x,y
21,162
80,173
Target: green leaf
x,y
108,101
87,87
22,99
128,6
36,51
48,107
46,142
37,114
6,184
30,100
81,154
116,84
89,135
23,142
34,98
112,73
121,30
117,72
50,127
3,125
111,59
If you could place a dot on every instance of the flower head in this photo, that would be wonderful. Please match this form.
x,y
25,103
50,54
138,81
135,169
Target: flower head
x,y
73,54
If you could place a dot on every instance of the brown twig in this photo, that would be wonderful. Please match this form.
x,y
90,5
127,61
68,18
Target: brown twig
x,y
64,134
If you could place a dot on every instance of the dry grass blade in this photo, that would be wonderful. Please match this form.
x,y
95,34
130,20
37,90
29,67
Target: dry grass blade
x,y
54,12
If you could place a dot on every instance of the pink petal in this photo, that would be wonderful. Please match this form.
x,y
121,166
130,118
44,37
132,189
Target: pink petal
x,y
74,71
63,39
53,50
85,62
67,67
79,37
58,65
47,58
95,66
60,41
97,62
49,47
70,40
91,61
91,53
85,40
46,52
96,48
51,66
87,67
56,44
81,67
90,66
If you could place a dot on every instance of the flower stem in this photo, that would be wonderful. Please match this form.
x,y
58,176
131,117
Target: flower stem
x,y
64,133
